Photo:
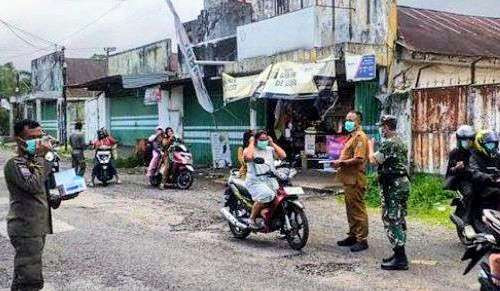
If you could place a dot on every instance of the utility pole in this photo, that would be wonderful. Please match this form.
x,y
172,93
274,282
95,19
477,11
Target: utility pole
x,y
108,50
65,100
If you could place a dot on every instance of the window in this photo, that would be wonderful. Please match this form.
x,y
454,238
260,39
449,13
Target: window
x,y
282,6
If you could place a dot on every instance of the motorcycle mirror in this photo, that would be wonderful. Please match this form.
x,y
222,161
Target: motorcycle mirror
x,y
259,161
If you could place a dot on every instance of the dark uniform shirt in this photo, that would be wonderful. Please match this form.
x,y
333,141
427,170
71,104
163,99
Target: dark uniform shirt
x,y
77,141
29,212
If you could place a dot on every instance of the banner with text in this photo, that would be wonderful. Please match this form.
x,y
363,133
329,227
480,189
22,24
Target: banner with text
x,y
360,68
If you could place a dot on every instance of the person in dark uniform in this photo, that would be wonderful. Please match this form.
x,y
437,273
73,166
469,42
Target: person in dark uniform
x,y
458,174
29,218
77,142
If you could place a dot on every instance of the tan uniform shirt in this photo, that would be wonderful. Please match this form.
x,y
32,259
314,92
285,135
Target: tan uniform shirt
x,y
355,147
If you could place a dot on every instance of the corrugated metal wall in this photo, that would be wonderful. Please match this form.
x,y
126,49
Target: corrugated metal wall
x,y
49,117
198,124
437,112
366,103
130,119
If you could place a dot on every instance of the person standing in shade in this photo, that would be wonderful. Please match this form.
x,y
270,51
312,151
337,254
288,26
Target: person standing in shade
x,y
29,219
77,142
392,161
351,167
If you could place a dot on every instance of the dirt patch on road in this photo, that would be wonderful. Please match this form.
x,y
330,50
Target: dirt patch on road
x,y
325,269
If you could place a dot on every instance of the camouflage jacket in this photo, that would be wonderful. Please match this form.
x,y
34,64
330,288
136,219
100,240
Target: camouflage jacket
x,y
29,213
392,158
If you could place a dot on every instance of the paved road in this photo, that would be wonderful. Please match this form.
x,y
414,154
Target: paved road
x,y
133,237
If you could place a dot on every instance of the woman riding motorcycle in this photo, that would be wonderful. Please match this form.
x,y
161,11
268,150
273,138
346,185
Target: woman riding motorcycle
x,y
104,140
156,142
262,188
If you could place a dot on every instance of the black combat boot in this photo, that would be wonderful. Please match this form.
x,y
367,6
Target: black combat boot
x,y
388,259
399,262
348,242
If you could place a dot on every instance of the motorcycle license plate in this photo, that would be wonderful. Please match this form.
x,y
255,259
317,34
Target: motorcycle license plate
x,y
294,191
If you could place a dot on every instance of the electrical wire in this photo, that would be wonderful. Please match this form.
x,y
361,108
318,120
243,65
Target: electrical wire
x,y
18,36
116,6
28,33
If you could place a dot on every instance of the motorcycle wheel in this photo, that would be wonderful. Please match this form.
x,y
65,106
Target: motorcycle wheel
x,y
298,236
237,232
155,180
184,180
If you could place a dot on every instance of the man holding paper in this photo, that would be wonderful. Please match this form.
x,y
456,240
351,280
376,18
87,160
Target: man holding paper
x,y
29,218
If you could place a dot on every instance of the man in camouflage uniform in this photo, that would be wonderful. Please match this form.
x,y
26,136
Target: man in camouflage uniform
x,y
29,217
392,161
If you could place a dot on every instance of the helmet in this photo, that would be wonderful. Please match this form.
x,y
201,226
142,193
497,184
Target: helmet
x,y
465,132
487,142
389,120
101,133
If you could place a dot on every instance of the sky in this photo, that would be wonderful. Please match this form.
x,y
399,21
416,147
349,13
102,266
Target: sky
x,y
85,27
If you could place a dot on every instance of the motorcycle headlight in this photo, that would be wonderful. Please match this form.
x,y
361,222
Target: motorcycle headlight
x,y
50,156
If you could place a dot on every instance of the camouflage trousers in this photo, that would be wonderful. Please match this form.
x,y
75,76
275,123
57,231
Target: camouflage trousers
x,y
27,263
394,196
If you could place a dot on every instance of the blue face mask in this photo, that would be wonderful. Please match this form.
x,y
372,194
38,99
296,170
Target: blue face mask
x,y
491,147
262,144
350,126
31,146
465,144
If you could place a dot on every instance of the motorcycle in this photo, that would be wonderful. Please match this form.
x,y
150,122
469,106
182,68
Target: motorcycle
x,y
485,244
181,167
477,224
285,213
103,165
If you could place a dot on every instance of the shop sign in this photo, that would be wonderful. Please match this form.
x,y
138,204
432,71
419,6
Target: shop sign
x,y
286,80
360,67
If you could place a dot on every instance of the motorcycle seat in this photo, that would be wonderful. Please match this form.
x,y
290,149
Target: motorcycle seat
x,y
241,186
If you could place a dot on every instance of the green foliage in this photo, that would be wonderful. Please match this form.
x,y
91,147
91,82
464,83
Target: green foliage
x,y
4,122
127,163
428,201
426,192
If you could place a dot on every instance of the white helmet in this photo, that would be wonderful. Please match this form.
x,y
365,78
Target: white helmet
x,y
465,132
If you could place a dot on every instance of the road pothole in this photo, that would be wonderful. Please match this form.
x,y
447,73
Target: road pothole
x,y
325,269
197,223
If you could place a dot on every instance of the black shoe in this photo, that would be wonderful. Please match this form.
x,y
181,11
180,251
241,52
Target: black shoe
x,y
388,259
359,246
398,263
348,242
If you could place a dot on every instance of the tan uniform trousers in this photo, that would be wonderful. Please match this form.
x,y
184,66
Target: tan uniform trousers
x,y
357,216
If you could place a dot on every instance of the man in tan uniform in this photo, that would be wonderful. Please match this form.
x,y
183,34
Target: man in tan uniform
x,y
351,172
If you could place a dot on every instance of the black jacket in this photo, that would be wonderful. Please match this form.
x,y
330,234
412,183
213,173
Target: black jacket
x,y
454,176
479,164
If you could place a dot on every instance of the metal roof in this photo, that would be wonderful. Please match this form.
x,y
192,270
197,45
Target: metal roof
x,y
125,81
439,32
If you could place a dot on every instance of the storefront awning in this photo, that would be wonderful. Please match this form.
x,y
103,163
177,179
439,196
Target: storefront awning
x,y
125,81
286,80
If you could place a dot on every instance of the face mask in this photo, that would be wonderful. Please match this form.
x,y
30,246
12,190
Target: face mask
x,y
350,126
491,147
262,144
31,146
465,144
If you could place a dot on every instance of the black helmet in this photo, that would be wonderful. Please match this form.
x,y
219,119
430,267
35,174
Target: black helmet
x,y
101,133
389,120
465,132
487,142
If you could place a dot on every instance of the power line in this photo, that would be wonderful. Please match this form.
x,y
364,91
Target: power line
x,y
11,27
18,36
116,6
